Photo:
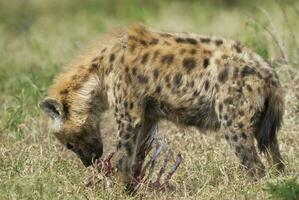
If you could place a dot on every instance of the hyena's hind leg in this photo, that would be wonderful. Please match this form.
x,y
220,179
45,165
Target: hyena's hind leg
x,y
274,157
272,153
267,127
239,133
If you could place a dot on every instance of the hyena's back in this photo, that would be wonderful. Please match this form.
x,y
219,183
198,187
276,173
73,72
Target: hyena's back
x,y
190,78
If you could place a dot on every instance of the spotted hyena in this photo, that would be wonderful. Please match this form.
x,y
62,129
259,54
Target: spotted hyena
x,y
144,76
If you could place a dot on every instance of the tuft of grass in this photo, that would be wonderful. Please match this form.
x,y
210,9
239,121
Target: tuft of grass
x,y
284,190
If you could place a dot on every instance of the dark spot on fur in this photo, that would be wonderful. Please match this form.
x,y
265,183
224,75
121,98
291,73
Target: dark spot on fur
x,y
238,47
219,42
142,79
243,135
129,128
182,51
226,137
118,146
229,123
238,149
177,79
189,64
249,88
131,105
191,41
195,93
216,87
186,40
206,62
207,52
128,147
228,100
191,84
247,71
167,78
220,107
64,92
122,59
154,41
205,40
95,59
223,75
132,48
156,54
244,160
144,58
241,113
207,85
193,51
179,40
167,59
66,109
236,72
158,89
103,50
126,104
156,73
134,71
112,58
143,42
235,138
166,43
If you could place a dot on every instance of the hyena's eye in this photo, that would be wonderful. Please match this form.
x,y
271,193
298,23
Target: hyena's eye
x,y
70,146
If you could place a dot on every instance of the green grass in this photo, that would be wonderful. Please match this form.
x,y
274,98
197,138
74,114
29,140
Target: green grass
x,y
38,37
284,190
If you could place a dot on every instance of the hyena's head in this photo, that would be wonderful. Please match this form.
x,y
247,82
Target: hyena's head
x,y
74,113
83,138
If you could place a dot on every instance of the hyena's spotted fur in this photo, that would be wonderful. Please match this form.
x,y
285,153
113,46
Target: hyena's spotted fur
x,y
193,80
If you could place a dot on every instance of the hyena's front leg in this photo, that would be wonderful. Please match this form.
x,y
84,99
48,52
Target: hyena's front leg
x,y
141,142
129,126
134,128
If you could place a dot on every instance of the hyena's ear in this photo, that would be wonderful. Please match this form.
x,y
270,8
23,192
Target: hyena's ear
x,y
52,107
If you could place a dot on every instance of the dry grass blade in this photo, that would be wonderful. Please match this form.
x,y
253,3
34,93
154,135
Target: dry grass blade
x,y
274,35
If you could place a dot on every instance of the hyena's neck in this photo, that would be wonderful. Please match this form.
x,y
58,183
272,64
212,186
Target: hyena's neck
x,y
80,87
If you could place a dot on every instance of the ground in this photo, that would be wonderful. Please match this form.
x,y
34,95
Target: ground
x,y
39,37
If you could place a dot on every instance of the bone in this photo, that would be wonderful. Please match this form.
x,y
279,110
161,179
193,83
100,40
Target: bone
x,y
177,163
108,169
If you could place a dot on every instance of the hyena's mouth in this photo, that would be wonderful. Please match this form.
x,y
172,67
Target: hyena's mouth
x,y
88,160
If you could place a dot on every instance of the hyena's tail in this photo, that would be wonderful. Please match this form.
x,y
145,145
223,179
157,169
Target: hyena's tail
x,y
271,118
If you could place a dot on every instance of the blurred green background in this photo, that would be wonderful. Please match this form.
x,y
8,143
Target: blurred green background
x,y
38,37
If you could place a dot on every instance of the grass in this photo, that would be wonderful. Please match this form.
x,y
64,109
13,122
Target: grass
x,y
38,37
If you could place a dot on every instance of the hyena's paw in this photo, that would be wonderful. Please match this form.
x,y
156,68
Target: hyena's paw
x,y
256,171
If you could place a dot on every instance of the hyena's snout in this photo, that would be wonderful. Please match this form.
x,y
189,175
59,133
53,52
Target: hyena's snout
x,y
88,151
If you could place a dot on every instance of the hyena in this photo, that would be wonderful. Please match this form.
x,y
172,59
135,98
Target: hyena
x,y
145,75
